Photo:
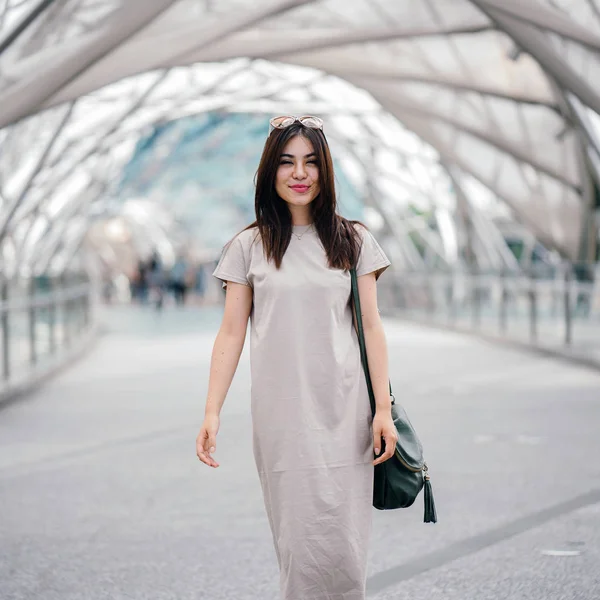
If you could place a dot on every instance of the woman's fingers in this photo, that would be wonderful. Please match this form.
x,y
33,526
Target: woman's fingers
x,y
209,448
206,458
211,443
205,445
376,439
390,448
203,457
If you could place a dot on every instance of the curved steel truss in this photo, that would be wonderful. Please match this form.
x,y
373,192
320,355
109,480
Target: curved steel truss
x,y
446,113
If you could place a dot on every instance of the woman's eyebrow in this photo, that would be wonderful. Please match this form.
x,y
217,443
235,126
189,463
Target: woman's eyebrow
x,y
292,156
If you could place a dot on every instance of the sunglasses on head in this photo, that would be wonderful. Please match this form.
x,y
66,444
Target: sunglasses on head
x,y
287,120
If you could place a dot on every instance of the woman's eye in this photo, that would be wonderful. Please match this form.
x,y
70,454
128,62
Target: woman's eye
x,y
285,162
312,162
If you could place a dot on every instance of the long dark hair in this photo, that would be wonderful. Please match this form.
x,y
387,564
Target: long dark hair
x,y
340,239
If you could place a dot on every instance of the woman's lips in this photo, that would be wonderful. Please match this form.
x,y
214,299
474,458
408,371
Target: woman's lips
x,y
299,188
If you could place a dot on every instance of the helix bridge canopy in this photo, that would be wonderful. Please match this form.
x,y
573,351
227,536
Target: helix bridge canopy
x,y
454,123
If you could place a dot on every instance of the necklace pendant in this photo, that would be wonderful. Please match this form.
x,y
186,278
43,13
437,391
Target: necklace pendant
x,y
305,231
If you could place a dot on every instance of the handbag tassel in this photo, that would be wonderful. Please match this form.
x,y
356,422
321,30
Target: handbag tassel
x,y
430,514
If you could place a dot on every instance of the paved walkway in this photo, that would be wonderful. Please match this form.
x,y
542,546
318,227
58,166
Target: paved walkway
x,y
102,497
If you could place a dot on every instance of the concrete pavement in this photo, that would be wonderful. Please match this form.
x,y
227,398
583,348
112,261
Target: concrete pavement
x,y
101,495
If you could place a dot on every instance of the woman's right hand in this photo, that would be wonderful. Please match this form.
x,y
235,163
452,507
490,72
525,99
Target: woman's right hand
x,y
206,442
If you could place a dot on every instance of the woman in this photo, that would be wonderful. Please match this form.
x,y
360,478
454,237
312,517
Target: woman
x,y
313,431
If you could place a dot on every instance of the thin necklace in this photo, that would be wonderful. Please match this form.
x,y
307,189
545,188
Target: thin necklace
x,y
300,236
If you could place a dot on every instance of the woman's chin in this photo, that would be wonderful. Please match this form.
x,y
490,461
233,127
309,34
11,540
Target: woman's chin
x,y
299,200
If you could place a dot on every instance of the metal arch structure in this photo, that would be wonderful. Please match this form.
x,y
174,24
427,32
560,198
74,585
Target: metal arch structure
x,y
500,91
124,125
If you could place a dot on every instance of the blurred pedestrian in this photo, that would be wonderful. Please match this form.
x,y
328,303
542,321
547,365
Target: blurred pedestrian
x,y
179,273
156,281
200,283
140,282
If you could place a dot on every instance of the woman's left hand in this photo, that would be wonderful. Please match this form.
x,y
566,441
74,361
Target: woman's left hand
x,y
383,427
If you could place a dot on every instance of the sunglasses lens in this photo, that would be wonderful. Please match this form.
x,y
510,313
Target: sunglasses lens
x,y
279,122
313,122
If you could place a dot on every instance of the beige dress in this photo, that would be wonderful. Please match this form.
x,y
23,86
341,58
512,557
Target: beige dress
x,y
311,417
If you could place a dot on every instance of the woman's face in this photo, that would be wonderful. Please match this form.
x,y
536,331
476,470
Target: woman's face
x,y
297,180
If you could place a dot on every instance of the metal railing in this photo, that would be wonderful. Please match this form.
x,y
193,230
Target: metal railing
x,y
557,310
41,320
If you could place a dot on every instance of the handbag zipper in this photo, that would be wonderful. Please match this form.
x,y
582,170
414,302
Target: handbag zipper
x,y
406,464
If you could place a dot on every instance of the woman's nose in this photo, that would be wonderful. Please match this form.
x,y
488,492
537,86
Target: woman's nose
x,y
299,172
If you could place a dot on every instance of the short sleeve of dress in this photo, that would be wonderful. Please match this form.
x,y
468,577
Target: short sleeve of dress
x,y
372,258
233,264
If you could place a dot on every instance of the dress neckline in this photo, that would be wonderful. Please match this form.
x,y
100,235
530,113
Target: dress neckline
x,y
300,232
301,228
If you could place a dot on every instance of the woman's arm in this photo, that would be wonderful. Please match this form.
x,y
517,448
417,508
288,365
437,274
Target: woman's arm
x,y
383,425
228,345
375,341
227,349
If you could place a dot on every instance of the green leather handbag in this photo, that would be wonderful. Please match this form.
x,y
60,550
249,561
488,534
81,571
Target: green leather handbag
x,y
398,480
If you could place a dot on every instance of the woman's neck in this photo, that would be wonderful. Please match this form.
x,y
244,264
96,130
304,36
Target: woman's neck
x,y
302,216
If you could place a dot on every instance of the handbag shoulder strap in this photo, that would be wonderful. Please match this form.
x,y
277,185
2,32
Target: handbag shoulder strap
x,y
361,340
